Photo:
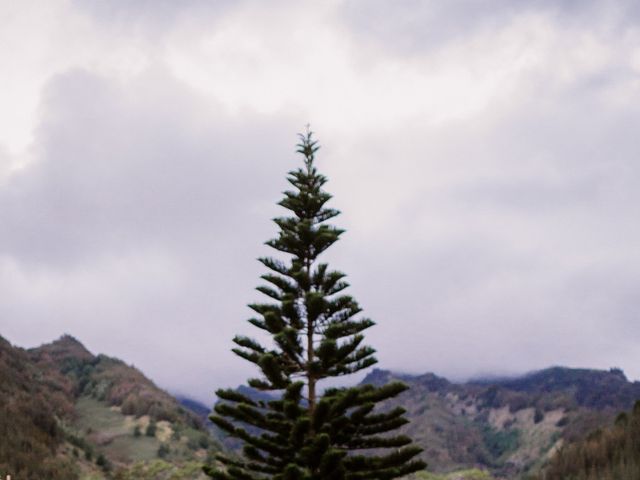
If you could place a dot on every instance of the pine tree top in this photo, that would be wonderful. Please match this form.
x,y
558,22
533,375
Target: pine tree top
x,y
317,334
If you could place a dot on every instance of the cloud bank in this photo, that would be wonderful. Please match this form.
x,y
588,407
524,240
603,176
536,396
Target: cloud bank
x,y
485,159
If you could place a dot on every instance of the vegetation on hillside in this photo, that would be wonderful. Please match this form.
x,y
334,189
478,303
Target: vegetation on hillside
x,y
470,474
30,436
61,416
65,413
162,470
606,454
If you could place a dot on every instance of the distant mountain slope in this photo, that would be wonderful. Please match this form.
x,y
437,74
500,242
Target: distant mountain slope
x,y
598,389
100,417
199,408
510,426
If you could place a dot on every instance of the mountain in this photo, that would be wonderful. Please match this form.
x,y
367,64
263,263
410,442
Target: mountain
x,y
508,426
67,413
199,408
503,427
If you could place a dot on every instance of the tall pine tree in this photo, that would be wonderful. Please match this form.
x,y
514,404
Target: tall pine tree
x,y
302,434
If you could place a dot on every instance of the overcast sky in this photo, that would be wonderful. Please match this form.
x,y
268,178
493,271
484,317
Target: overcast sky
x,y
484,155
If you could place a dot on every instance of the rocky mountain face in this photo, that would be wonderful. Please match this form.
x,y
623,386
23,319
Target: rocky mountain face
x,y
511,426
66,413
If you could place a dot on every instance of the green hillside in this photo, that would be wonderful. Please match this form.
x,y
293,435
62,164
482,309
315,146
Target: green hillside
x,y
92,417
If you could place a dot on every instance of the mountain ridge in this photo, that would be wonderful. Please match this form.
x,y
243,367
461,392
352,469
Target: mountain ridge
x,y
92,405
509,426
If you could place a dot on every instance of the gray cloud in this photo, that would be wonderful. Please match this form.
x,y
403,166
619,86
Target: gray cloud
x,y
518,248
499,239
150,204
415,26
150,164
152,18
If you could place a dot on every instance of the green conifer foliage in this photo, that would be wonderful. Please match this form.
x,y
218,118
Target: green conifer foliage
x,y
317,333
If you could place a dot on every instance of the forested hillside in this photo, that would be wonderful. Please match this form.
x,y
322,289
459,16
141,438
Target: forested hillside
x,y
611,453
67,413
31,438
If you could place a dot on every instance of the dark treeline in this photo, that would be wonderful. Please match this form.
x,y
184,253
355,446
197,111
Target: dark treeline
x,y
609,454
